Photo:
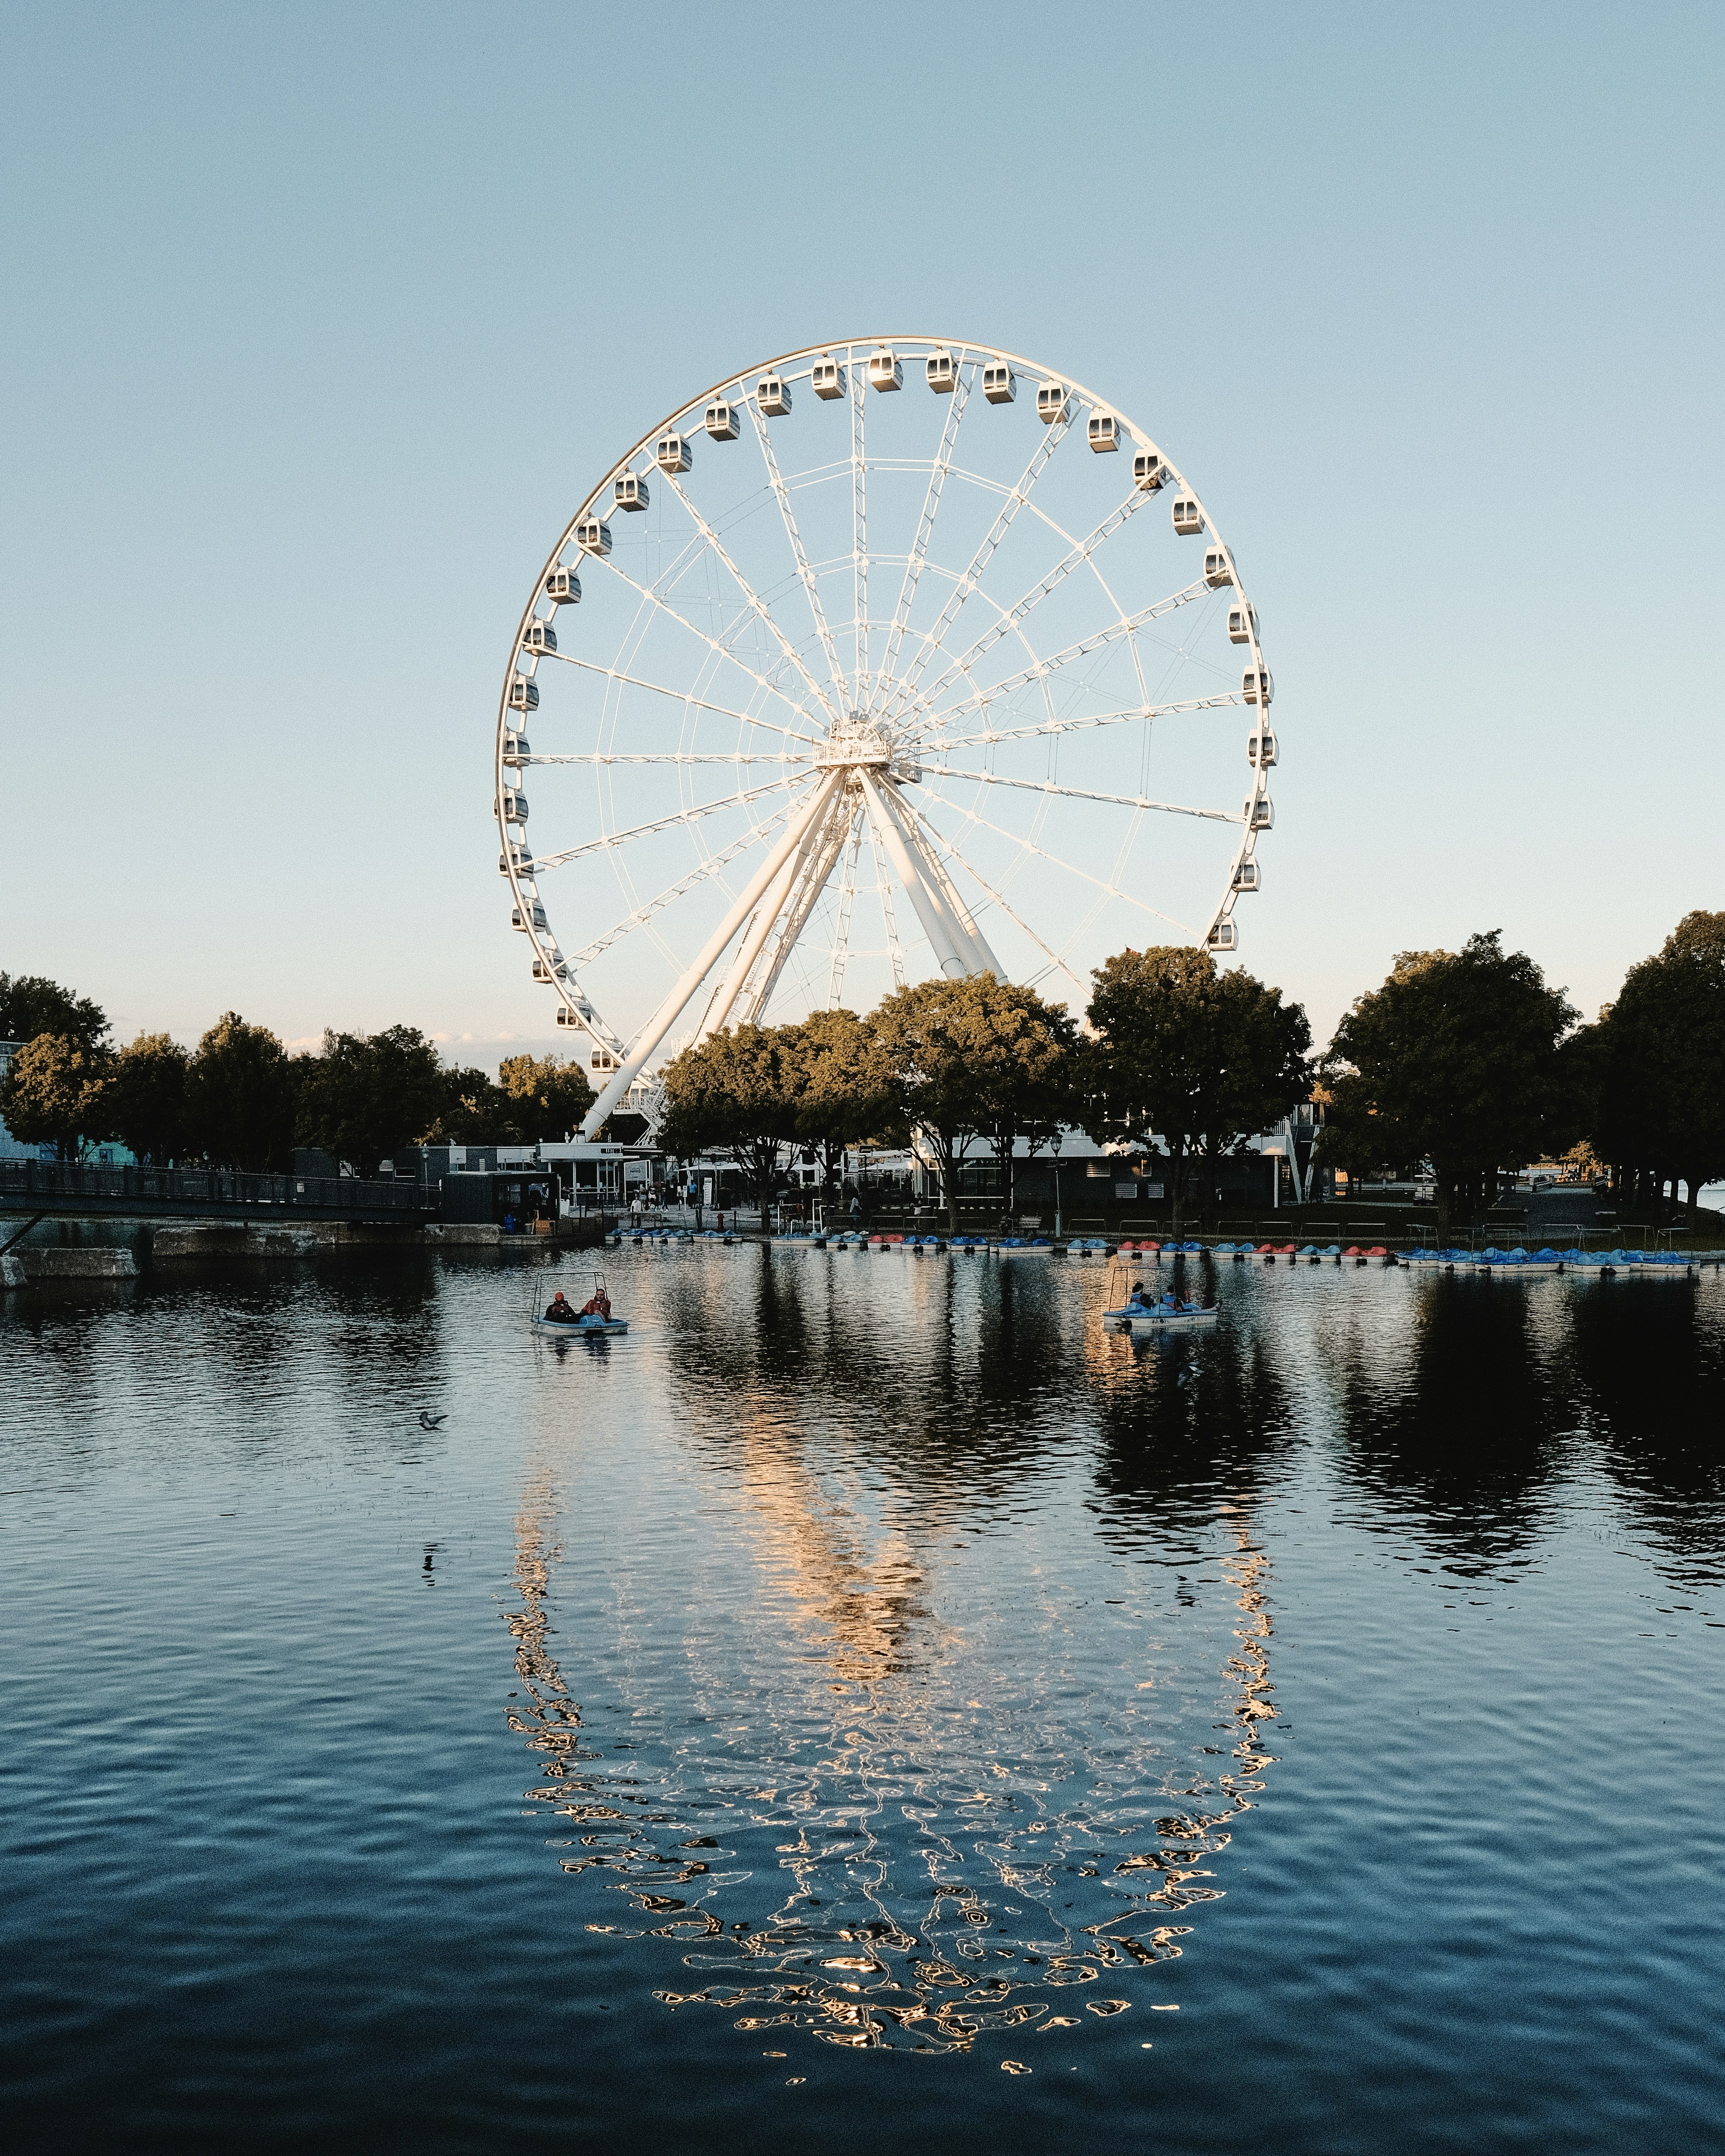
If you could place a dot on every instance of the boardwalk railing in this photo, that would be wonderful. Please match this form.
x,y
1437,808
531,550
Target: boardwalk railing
x,y
48,1187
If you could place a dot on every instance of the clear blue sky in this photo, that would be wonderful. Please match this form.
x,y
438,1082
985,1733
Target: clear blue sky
x,y
319,321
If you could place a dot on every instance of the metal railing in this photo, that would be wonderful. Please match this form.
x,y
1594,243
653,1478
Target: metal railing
x,y
41,1185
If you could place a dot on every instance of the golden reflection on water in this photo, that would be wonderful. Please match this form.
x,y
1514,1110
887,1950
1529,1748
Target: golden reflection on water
x,y
924,1887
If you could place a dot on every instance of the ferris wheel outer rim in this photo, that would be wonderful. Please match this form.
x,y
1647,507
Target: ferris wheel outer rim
x,y
961,348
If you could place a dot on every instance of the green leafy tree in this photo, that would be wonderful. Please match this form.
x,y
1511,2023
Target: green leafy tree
x,y
1456,1060
475,1110
53,1094
843,1085
1658,1061
145,1098
30,1004
239,1097
366,1094
1032,1079
546,1097
968,1057
1151,1069
1260,1069
734,1094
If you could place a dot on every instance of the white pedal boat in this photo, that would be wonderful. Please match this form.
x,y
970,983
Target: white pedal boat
x,y
575,1328
1146,1316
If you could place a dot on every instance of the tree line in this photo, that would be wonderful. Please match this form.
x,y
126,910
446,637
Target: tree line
x,y
1472,1061
1172,1051
240,1100
1469,1061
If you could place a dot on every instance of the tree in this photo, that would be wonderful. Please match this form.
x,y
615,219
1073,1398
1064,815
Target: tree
x,y
547,1097
733,1093
366,1094
475,1110
1030,1085
1151,1070
30,1004
1454,1060
52,1094
239,1096
1659,1062
1260,1069
967,1056
144,1102
843,1086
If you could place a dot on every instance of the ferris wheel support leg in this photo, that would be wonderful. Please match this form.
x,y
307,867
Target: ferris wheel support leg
x,y
951,945
985,962
766,919
671,1010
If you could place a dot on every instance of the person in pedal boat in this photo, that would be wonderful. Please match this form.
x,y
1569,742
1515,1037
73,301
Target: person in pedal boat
x,y
597,1304
558,1311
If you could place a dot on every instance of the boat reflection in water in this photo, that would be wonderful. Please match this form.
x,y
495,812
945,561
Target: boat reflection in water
x,y
888,1810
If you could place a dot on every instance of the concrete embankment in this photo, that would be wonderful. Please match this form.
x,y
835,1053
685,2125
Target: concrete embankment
x,y
167,1243
24,1267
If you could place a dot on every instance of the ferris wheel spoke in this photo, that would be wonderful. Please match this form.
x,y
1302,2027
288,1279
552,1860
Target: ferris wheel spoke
x,y
860,539
925,526
646,912
1054,860
755,604
671,756
931,640
883,885
947,851
1057,661
1081,793
847,899
712,642
684,696
811,590
1080,722
612,839
1080,552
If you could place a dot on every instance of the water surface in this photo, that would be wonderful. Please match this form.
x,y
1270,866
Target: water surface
x,y
868,1684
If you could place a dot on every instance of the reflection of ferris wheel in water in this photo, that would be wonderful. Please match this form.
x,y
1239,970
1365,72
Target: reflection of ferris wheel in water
x,y
828,698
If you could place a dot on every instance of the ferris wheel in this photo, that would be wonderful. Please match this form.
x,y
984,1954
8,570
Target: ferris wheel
x,y
871,663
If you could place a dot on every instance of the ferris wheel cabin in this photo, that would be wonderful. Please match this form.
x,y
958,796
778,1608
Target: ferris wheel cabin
x,y
524,918
539,636
1260,748
998,385
1051,403
523,693
1242,621
1247,876
884,371
672,453
1223,936
630,491
593,536
1104,432
826,378
1256,686
942,374
514,806
1258,814
562,587
773,393
1149,472
1189,517
1217,568
723,423
517,748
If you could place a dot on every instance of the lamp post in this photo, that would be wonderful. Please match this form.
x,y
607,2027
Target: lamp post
x,y
1054,1147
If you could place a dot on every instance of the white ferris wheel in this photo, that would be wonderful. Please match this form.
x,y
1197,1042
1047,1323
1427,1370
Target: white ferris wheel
x,y
872,662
